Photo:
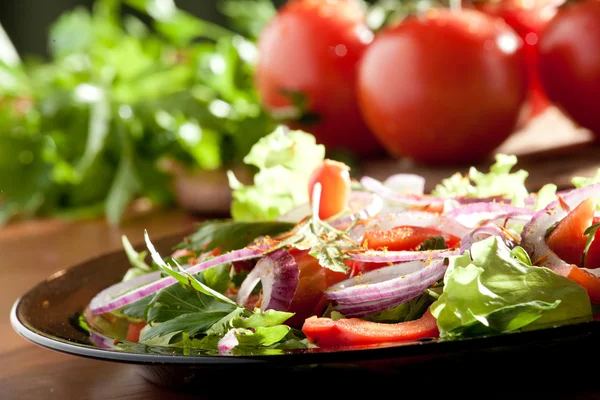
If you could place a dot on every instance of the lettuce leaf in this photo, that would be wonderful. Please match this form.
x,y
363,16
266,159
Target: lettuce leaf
x,y
499,181
285,160
582,181
489,291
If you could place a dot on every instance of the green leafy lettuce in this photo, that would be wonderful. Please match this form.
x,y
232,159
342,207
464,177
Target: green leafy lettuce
x,y
499,181
489,290
582,181
284,159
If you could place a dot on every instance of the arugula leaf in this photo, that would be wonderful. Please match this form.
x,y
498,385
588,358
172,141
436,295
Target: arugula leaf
x,y
499,181
137,310
228,235
494,292
262,336
285,160
192,324
178,300
267,318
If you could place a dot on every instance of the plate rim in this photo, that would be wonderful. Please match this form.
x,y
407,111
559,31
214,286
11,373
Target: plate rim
x,y
392,350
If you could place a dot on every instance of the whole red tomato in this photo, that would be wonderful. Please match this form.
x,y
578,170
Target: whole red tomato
x,y
569,63
308,54
527,18
443,88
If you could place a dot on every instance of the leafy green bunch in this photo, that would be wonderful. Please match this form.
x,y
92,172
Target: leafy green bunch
x,y
131,90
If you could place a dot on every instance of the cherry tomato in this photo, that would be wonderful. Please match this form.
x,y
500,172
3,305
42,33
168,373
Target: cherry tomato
x,y
569,62
566,239
527,18
444,88
309,51
334,178
312,282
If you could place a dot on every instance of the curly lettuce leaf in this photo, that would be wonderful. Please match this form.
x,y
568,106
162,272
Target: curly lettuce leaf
x,y
490,291
285,160
499,181
582,181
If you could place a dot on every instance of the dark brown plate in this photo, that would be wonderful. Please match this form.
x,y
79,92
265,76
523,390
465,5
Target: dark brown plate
x,y
48,314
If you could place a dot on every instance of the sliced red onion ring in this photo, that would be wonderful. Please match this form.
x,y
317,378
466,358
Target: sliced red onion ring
x,y
400,256
367,204
104,302
373,307
405,183
534,232
484,232
386,282
279,274
473,214
387,193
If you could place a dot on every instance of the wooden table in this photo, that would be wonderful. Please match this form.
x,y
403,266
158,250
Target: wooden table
x,y
31,251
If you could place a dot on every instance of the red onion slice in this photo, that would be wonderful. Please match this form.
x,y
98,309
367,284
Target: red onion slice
x,y
101,303
373,307
386,193
484,232
534,232
400,256
387,282
473,214
228,342
405,183
279,275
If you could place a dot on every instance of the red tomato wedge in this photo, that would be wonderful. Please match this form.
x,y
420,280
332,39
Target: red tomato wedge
x,y
326,332
567,239
133,331
313,281
590,282
592,259
404,237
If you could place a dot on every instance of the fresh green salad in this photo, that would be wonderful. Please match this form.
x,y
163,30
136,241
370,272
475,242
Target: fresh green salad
x,y
314,258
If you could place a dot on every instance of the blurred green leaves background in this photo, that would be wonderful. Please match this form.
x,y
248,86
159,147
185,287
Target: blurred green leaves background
x,y
127,91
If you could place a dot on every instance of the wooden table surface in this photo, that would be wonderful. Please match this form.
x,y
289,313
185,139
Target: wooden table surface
x,y
31,251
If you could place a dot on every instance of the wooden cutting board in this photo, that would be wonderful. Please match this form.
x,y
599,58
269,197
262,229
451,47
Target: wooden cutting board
x,y
551,148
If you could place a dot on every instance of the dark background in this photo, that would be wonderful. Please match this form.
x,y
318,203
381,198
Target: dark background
x,y
27,21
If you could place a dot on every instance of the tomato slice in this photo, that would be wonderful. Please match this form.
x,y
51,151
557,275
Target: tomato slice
x,y
133,331
592,259
589,281
567,239
404,237
326,332
312,282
